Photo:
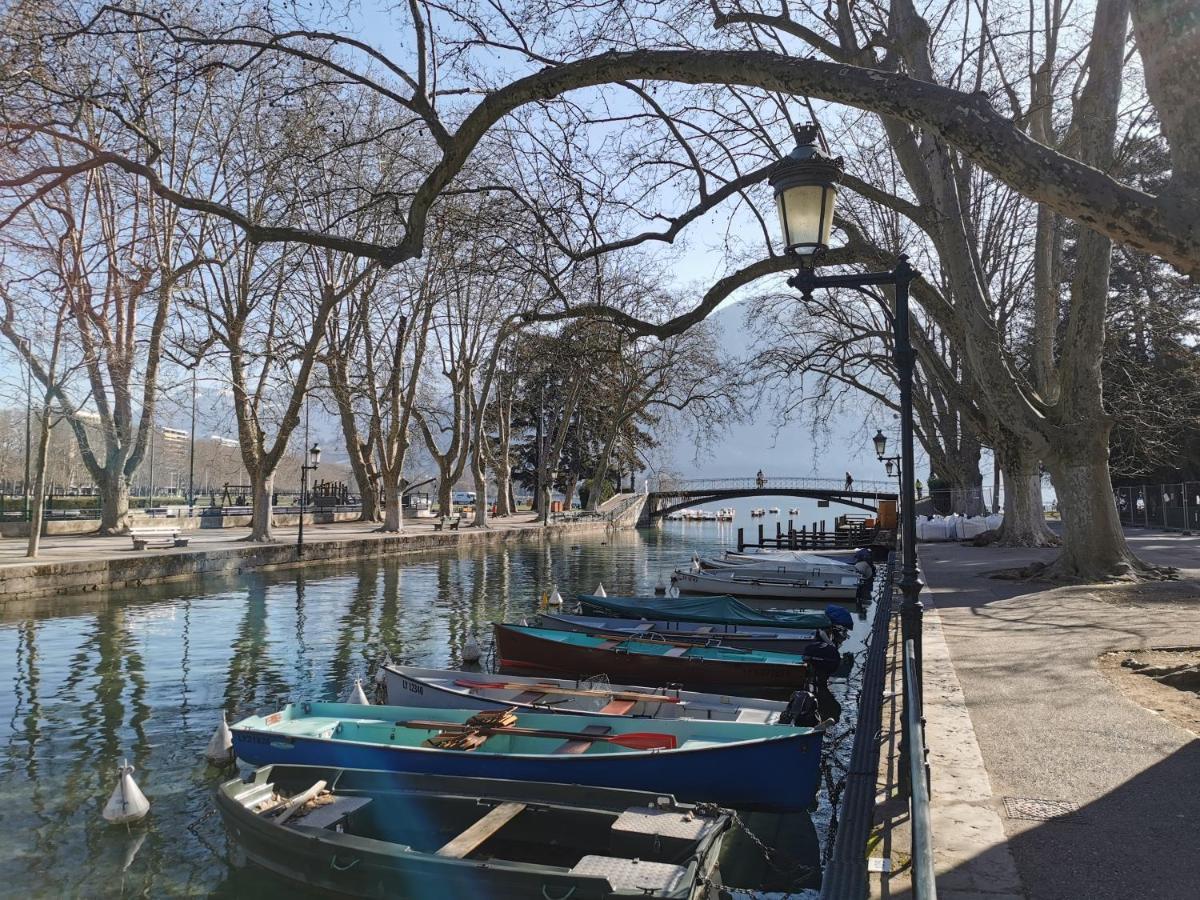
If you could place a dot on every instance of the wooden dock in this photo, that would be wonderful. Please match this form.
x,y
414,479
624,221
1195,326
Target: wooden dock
x,y
848,533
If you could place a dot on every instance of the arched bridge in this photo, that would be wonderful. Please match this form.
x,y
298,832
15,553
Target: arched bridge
x,y
668,495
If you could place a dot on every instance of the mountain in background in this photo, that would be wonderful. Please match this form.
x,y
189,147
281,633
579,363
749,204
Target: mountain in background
x,y
762,441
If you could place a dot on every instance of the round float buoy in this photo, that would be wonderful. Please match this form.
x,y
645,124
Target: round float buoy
x,y
555,597
600,592
471,651
220,746
127,803
358,695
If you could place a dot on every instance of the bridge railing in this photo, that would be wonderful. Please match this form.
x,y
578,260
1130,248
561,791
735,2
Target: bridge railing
x,y
666,485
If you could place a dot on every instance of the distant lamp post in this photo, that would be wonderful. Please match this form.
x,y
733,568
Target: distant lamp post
x,y
805,183
549,499
890,463
314,460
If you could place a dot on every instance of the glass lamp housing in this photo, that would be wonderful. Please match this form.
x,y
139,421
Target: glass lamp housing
x,y
805,183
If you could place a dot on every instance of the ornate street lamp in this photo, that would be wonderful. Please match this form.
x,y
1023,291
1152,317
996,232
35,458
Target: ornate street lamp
x,y
805,183
314,460
890,463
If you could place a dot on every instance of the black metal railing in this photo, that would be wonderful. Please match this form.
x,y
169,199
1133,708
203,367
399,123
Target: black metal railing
x,y
923,877
845,876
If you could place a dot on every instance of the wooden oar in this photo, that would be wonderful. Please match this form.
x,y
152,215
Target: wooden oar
x,y
566,692
637,740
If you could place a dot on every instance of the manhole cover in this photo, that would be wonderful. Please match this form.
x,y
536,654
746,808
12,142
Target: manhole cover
x,y
1041,810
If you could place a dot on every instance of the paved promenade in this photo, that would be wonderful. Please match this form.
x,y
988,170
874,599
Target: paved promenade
x,y
1023,723
79,547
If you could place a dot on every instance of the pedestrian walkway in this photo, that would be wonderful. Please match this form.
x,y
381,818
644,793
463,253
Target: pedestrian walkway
x,y
79,547
1048,782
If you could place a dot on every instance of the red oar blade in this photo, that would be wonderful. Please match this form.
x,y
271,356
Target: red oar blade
x,y
643,740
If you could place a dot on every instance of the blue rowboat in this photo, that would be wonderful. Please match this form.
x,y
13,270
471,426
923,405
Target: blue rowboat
x,y
726,610
768,767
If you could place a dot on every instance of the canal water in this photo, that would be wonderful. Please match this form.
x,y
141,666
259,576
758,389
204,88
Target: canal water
x,y
146,674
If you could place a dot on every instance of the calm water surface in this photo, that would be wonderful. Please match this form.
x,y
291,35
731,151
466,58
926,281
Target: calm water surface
x,y
146,675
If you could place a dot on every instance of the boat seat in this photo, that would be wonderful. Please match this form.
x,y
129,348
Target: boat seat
x,y
331,814
617,707
705,629
633,875
470,840
645,626
677,651
573,746
608,645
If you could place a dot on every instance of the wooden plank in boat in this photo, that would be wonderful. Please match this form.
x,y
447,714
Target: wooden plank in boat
x,y
608,645
617,707
582,746
677,651
470,840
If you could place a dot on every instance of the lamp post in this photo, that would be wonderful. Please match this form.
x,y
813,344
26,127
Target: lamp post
x,y
192,452
546,501
891,464
805,184
314,460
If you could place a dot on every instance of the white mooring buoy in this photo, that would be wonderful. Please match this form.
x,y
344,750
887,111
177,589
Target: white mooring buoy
x,y
555,597
471,651
358,695
660,588
127,803
600,592
220,746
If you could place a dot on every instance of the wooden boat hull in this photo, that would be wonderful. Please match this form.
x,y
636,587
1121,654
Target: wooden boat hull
x,y
519,649
778,640
773,587
383,844
412,686
776,769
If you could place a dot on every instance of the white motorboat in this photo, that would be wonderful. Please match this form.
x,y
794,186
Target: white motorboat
x,y
826,587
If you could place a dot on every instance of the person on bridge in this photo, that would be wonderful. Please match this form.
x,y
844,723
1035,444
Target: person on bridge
x,y
849,481
760,480
920,488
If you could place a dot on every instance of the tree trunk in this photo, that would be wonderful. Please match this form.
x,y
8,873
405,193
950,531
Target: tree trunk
x,y
114,503
262,522
503,475
393,505
1024,513
479,477
445,490
1094,546
370,502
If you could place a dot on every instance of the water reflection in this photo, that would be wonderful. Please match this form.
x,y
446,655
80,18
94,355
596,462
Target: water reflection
x,y
145,675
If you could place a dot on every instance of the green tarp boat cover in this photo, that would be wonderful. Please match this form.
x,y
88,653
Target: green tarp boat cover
x,y
719,610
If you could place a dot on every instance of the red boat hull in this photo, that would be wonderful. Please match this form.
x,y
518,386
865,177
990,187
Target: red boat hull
x,y
523,653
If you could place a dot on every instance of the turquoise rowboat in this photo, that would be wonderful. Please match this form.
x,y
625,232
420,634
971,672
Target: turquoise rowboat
x,y
768,767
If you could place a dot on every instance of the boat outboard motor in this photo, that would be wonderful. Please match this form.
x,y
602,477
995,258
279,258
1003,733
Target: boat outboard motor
x,y
801,710
823,658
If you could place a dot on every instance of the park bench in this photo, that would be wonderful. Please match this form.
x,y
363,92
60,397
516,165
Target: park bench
x,y
157,537
449,523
